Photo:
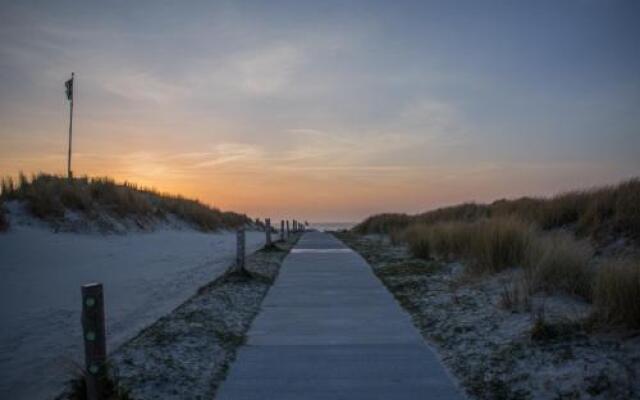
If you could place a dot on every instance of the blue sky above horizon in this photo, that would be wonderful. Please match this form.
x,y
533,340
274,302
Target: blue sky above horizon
x,y
326,110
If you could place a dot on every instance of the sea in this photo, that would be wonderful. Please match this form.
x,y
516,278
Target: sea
x,y
332,226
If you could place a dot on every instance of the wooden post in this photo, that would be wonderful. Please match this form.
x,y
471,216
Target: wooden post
x,y
295,226
282,230
95,343
240,249
267,222
288,229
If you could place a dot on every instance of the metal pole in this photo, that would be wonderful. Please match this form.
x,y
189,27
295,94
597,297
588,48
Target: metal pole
x,y
69,174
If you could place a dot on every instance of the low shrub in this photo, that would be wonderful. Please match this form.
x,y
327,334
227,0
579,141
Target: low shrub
x,y
617,292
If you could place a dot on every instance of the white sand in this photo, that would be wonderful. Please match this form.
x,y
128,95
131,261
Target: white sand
x,y
145,275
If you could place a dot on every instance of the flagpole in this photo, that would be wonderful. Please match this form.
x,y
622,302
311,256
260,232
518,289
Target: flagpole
x,y
69,174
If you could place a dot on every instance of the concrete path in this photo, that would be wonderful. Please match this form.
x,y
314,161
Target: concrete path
x,y
330,330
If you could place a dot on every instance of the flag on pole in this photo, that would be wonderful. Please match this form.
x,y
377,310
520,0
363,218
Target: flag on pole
x,y
69,86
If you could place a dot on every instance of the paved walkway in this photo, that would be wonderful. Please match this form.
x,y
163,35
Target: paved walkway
x,y
330,330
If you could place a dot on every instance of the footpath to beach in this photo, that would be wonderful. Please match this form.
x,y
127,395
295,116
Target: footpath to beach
x,y
329,329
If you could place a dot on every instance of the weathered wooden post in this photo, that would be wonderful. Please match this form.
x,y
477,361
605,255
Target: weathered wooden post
x,y
267,222
240,249
95,343
282,230
288,232
295,226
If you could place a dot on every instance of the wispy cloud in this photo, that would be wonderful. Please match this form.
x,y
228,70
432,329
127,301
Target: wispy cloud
x,y
269,70
232,153
144,86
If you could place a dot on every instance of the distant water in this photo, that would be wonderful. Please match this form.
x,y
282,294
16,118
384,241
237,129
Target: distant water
x,y
332,226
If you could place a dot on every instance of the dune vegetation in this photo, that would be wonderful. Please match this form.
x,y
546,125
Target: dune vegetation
x,y
559,243
50,197
599,213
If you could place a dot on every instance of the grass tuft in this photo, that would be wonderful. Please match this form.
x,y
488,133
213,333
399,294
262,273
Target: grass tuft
x,y
557,262
552,262
490,245
617,293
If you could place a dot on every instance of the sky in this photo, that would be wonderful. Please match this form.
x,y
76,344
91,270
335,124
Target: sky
x,y
325,110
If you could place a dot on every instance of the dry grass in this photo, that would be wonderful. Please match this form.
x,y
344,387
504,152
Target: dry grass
x,y
489,245
557,262
598,212
552,262
617,293
543,236
499,243
48,197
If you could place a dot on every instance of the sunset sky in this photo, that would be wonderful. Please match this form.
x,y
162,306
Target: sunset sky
x,y
328,111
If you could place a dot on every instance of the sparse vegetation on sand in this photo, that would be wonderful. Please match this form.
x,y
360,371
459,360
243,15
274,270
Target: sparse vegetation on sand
x,y
549,242
50,197
547,262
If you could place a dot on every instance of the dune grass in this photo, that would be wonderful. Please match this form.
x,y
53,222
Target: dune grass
x,y
597,213
557,262
550,262
48,197
550,239
617,293
553,262
489,245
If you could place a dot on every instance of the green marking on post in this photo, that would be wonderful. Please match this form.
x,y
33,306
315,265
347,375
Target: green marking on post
x,y
90,301
91,336
94,369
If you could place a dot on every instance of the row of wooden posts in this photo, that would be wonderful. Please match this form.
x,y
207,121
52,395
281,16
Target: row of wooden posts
x,y
285,232
93,321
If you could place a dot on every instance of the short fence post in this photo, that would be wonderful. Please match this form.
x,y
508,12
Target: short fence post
x,y
288,229
95,343
240,249
295,226
282,230
267,222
